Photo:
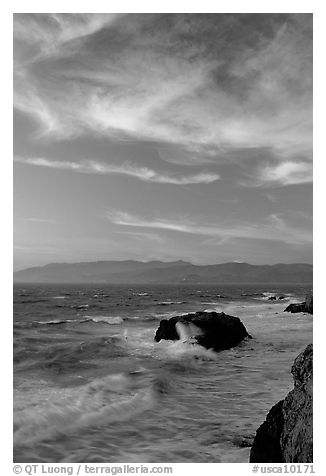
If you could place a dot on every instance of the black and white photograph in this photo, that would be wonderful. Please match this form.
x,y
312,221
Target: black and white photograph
x,y
162,240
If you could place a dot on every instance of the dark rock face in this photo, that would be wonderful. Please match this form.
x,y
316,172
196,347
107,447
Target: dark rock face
x,y
218,331
309,304
286,435
296,308
296,438
306,306
266,447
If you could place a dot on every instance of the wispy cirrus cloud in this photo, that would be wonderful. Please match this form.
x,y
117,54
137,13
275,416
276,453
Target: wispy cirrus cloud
x,y
142,173
280,174
47,32
143,235
274,228
39,220
286,173
220,99
205,83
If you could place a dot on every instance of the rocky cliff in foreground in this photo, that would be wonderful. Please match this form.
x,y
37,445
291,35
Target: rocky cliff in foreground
x,y
286,434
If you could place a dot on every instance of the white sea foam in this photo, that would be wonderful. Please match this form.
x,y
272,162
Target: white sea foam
x,y
186,347
213,309
107,400
187,330
268,295
166,315
56,321
187,350
106,319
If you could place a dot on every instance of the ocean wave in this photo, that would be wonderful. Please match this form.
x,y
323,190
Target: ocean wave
x,y
214,309
55,322
154,316
186,347
80,306
144,318
107,319
165,315
65,357
177,350
31,301
252,294
273,296
114,398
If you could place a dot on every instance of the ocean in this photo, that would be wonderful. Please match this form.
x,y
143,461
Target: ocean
x,y
91,385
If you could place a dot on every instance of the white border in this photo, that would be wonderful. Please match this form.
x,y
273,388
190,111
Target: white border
x,y
277,6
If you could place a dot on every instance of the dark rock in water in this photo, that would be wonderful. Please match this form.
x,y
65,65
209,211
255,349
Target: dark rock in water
x,y
309,304
281,297
286,435
306,306
243,442
212,330
272,298
296,307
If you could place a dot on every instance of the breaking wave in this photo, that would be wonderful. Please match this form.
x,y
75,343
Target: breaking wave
x,y
106,319
107,400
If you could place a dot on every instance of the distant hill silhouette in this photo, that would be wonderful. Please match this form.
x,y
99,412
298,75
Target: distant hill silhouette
x,y
155,272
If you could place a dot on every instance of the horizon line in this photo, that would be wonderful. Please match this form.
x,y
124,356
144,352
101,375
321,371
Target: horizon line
x,y
154,260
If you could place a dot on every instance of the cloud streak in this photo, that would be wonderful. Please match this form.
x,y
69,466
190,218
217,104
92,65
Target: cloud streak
x,y
274,228
205,83
39,220
50,33
142,173
142,235
285,173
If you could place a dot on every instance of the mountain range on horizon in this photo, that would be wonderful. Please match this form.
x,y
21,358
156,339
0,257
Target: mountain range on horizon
x,y
158,272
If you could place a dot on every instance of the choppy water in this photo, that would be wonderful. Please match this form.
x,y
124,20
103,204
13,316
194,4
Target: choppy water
x,y
91,385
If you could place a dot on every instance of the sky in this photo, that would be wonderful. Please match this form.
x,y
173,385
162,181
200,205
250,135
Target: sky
x,y
162,136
